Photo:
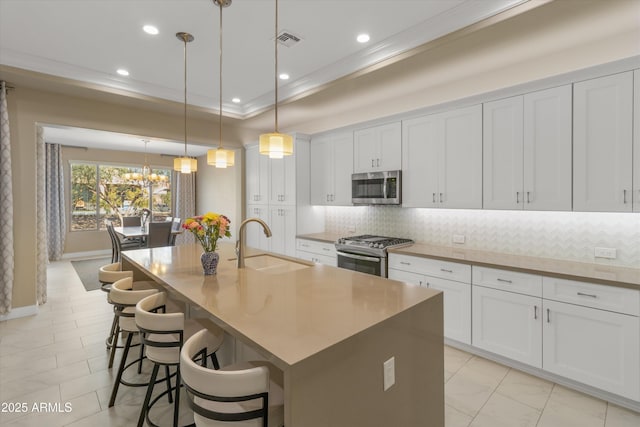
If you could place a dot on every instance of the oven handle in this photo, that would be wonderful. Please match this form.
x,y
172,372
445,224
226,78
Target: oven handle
x,y
358,257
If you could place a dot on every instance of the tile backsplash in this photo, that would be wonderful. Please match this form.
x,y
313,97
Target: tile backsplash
x,y
560,235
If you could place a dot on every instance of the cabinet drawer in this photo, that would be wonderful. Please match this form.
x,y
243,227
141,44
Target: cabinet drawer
x,y
611,298
431,267
522,283
313,246
321,259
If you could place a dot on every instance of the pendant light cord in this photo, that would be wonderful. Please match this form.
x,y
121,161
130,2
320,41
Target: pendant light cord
x,y
276,70
185,95
220,106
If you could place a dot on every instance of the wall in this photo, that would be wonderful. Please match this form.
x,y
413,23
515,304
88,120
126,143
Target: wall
x,y
560,235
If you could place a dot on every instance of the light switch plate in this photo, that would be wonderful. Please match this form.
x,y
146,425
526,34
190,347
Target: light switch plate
x,y
458,238
389,368
609,253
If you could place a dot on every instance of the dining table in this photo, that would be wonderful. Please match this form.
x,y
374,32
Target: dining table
x,y
135,231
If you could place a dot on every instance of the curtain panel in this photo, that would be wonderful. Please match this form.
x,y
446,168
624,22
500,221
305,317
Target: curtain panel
x,y
6,207
55,204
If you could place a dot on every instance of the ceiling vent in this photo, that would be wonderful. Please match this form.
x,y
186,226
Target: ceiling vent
x,y
288,39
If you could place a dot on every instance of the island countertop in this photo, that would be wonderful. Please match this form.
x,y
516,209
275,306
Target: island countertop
x,y
332,333
291,315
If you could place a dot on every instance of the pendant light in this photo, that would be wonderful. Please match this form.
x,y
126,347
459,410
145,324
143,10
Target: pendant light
x,y
219,157
276,144
185,164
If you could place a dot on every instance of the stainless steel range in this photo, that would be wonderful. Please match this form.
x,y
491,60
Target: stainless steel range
x,y
367,253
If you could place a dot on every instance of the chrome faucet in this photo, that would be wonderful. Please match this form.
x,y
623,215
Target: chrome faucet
x,y
240,241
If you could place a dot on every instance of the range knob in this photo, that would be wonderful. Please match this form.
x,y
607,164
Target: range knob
x,y
372,245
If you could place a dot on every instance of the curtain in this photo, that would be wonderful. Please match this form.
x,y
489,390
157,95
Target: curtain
x,y
56,224
41,219
184,201
6,207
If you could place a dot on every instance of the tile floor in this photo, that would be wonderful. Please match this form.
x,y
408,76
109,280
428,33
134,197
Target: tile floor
x,y
58,357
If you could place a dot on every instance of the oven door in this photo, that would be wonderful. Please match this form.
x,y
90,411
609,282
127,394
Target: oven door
x,y
362,263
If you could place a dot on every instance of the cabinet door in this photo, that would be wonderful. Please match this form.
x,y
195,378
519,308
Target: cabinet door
x,y
460,177
321,170
390,147
365,150
502,154
456,307
283,229
283,181
257,176
547,149
342,162
406,276
594,347
602,144
636,141
253,231
420,162
508,324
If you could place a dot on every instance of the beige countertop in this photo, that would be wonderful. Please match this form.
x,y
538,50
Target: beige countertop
x,y
575,270
291,313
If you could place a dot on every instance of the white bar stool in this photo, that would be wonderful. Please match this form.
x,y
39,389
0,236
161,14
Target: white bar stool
x,y
239,395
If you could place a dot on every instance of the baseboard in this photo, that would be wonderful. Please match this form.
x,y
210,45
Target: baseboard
x,y
87,254
16,313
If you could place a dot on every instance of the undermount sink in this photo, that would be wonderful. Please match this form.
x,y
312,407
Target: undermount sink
x,y
272,264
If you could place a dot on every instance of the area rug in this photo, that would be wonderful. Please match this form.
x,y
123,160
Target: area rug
x,y
87,270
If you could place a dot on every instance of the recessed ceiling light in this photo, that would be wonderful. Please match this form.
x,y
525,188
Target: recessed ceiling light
x,y
363,38
284,76
122,72
236,100
150,29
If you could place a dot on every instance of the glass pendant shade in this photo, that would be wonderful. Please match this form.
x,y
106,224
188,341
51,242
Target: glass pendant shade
x,y
221,158
276,145
185,164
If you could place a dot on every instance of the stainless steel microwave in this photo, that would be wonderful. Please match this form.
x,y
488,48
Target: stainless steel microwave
x,y
376,188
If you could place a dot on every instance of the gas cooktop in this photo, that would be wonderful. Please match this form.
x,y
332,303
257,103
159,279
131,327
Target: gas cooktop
x,y
369,244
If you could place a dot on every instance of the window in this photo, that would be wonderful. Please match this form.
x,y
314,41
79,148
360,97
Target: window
x,y
111,192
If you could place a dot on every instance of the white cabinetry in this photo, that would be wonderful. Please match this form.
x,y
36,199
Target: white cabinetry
x,y
442,160
253,231
315,251
453,279
507,314
636,141
282,183
378,148
282,222
527,151
257,176
602,144
331,169
587,342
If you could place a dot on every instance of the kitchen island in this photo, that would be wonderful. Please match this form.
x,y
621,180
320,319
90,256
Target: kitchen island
x,y
328,330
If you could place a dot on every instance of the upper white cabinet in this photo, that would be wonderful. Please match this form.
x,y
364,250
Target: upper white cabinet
x,y
331,169
636,141
257,175
527,151
282,181
602,144
378,148
442,160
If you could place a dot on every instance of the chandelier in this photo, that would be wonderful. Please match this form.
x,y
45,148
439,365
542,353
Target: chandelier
x,y
146,177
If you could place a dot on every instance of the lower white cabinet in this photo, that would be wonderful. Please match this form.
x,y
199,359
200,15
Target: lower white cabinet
x,y
315,251
508,324
282,222
254,233
456,294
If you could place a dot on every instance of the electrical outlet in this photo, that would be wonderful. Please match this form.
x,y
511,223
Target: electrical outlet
x,y
458,238
389,371
609,253
351,229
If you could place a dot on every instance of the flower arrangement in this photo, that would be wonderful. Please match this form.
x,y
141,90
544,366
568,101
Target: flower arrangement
x,y
208,228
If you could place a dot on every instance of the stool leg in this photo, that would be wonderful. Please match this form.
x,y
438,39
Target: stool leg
x,y
112,333
116,384
214,359
141,357
168,373
176,405
114,344
147,397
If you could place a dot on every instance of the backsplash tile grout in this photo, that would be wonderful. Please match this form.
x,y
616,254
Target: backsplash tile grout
x,y
559,235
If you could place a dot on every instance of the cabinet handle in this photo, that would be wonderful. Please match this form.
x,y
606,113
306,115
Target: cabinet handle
x,y
440,197
434,197
377,162
517,197
405,263
535,312
587,295
304,245
624,196
372,163
326,249
504,280
548,316
333,197
528,199
446,271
